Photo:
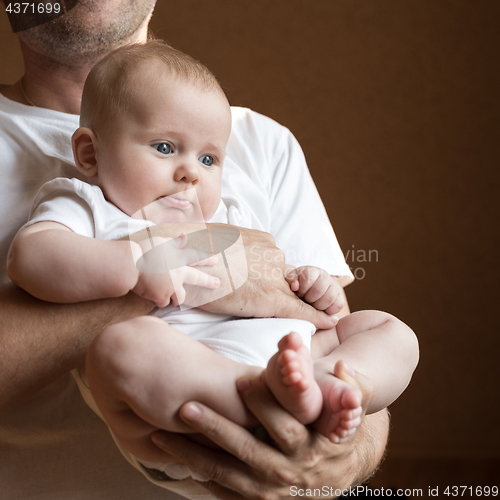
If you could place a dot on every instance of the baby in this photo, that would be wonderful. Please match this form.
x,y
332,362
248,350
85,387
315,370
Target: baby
x,y
154,129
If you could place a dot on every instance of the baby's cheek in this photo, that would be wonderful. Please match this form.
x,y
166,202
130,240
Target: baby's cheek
x,y
209,205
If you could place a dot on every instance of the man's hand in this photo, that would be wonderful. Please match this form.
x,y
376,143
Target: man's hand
x,y
266,292
293,458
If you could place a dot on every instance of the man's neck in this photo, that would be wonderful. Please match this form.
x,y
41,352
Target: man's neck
x,y
47,84
53,86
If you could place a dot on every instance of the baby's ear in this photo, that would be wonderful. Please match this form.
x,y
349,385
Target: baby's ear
x,y
84,143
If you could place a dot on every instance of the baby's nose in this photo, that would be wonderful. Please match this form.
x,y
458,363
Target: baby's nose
x,y
187,171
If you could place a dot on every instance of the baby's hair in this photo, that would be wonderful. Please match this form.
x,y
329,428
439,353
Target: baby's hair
x,y
107,89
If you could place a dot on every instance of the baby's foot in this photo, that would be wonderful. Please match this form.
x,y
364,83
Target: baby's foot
x,y
290,377
345,401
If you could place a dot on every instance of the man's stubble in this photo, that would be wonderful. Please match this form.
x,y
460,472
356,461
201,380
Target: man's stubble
x,y
89,31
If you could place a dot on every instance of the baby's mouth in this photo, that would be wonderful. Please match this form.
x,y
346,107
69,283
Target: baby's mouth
x,y
172,201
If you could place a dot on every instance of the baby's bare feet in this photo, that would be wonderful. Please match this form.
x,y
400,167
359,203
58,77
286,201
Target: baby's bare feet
x,y
345,401
290,376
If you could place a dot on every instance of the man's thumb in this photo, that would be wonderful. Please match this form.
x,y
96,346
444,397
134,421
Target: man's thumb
x,y
297,308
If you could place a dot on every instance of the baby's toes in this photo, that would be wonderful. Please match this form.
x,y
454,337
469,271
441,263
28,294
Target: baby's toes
x,y
351,414
291,373
352,398
291,341
287,357
349,424
293,378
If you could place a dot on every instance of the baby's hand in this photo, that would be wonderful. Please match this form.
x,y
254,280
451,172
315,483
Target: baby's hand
x,y
163,288
317,287
161,285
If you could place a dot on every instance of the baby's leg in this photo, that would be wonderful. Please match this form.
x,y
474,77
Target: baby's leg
x,y
142,371
379,346
373,343
329,391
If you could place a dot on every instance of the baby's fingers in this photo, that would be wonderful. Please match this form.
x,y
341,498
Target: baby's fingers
x,y
180,241
192,276
210,261
292,278
314,283
332,301
337,305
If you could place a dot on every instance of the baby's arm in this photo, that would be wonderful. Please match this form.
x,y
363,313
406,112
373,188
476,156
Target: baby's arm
x,y
53,263
317,287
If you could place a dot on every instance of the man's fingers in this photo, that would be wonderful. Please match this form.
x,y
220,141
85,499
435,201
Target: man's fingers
x,y
179,257
287,432
236,440
219,491
250,463
216,466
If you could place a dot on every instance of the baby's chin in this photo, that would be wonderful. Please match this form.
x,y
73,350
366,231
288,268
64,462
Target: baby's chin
x,y
175,216
161,213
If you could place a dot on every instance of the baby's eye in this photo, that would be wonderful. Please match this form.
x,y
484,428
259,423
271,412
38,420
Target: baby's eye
x,y
206,160
163,147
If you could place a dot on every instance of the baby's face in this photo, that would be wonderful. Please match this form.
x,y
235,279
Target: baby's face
x,y
166,152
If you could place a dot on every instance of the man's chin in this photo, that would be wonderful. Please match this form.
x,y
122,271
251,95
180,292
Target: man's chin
x,y
88,31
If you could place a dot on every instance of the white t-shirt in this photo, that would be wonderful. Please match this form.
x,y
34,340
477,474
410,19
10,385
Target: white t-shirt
x,y
53,447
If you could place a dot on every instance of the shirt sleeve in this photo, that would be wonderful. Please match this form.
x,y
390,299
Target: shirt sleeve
x,y
64,201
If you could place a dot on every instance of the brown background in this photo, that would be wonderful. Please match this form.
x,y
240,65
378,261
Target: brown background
x,y
396,106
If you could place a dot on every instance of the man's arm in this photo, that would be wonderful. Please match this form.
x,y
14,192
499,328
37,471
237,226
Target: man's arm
x,y
40,341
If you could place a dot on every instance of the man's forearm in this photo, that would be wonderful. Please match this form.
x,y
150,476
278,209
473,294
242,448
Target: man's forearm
x,y
370,442
40,341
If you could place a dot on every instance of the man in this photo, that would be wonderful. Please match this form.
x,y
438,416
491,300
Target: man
x,y
51,445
